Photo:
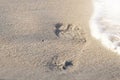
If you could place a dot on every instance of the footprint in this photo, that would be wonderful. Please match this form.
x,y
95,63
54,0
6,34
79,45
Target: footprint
x,y
56,64
70,32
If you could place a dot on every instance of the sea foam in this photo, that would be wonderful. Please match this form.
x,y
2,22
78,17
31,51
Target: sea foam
x,y
105,23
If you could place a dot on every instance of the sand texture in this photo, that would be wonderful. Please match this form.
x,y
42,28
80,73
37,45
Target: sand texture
x,y
50,40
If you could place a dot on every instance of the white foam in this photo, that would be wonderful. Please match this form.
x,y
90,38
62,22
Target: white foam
x,y
105,23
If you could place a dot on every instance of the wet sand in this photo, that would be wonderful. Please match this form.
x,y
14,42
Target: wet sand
x,y
51,40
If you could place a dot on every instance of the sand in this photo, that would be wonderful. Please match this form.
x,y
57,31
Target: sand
x,y
51,40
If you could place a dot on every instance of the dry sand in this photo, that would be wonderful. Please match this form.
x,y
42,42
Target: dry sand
x,y
50,40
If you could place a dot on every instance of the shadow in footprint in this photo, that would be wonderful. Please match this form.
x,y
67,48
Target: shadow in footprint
x,y
67,64
57,30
